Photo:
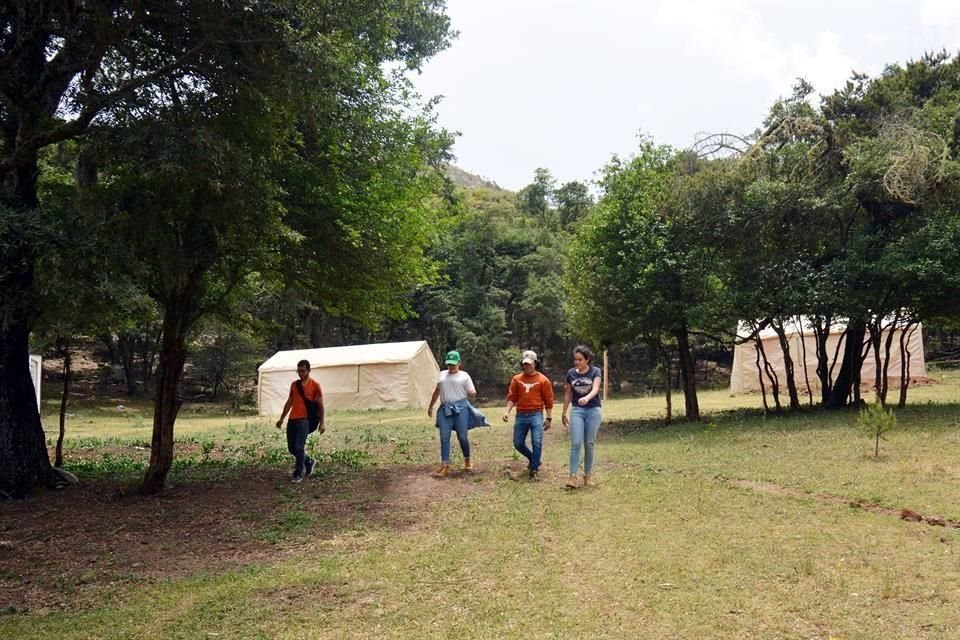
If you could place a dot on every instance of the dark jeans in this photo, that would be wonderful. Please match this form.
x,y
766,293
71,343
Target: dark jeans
x,y
297,432
531,423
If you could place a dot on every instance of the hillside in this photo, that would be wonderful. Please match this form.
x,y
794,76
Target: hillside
x,y
469,180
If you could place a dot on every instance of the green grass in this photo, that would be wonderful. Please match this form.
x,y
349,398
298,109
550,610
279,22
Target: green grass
x,y
669,546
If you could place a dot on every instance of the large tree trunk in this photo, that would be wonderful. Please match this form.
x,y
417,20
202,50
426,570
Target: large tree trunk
x,y
166,403
687,375
24,461
849,374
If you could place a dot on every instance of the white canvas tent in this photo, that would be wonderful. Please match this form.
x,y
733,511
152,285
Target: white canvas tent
x,y
393,375
744,376
36,374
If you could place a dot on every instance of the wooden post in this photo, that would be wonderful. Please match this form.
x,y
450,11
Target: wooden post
x,y
606,377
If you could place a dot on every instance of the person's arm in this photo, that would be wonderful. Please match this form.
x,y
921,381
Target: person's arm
x,y
567,398
511,399
286,410
320,414
471,390
593,392
546,392
506,413
433,400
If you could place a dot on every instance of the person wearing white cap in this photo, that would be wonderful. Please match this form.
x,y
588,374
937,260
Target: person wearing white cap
x,y
532,394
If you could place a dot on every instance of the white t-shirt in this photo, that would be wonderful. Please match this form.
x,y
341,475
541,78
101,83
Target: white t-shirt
x,y
455,387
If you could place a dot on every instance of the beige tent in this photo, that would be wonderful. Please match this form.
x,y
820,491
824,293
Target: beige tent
x,y
745,377
367,376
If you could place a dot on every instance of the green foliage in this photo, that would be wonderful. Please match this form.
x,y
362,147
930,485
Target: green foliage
x,y
221,146
535,199
226,359
874,421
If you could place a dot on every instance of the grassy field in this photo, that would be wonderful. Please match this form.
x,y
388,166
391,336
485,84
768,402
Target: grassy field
x,y
739,526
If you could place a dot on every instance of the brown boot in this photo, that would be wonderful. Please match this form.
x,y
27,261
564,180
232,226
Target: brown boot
x,y
572,482
467,465
442,472
588,480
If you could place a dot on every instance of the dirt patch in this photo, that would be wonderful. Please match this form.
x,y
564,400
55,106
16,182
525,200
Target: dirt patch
x,y
63,550
904,514
771,488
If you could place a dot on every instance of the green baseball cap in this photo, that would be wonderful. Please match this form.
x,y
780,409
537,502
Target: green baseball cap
x,y
453,357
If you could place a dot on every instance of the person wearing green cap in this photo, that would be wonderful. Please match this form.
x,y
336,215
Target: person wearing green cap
x,y
455,413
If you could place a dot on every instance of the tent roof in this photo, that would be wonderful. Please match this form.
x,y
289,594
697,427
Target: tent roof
x,y
358,354
791,327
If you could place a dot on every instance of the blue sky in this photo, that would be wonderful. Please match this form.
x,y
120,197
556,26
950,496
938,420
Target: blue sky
x,y
565,84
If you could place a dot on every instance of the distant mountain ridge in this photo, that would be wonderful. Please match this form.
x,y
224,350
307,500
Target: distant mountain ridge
x,y
469,180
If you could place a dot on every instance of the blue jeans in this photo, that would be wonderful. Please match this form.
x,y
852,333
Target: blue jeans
x,y
531,423
584,425
447,424
297,432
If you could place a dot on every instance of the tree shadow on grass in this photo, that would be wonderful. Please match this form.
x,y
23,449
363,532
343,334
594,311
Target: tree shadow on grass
x,y
64,550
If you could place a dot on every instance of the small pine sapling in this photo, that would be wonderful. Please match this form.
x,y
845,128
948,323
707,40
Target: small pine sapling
x,y
874,420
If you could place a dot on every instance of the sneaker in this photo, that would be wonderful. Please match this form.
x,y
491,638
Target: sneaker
x,y
442,472
467,464
534,475
572,482
308,467
296,479
588,480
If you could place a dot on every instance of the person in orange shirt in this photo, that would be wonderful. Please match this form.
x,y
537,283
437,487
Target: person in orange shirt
x,y
532,394
298,426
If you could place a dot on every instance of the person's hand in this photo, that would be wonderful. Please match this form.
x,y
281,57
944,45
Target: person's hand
x,y
582,402
429,412
506,417
322,428
279,423
547,422
566,421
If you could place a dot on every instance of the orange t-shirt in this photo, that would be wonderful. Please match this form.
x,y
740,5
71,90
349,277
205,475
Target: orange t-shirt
x,y
311,389
530,393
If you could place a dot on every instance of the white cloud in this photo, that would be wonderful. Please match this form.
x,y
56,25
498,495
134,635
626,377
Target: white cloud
x,y
939,13
735,35
827,67
564,83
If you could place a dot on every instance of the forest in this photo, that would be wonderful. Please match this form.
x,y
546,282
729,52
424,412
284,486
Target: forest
x,y
193,192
